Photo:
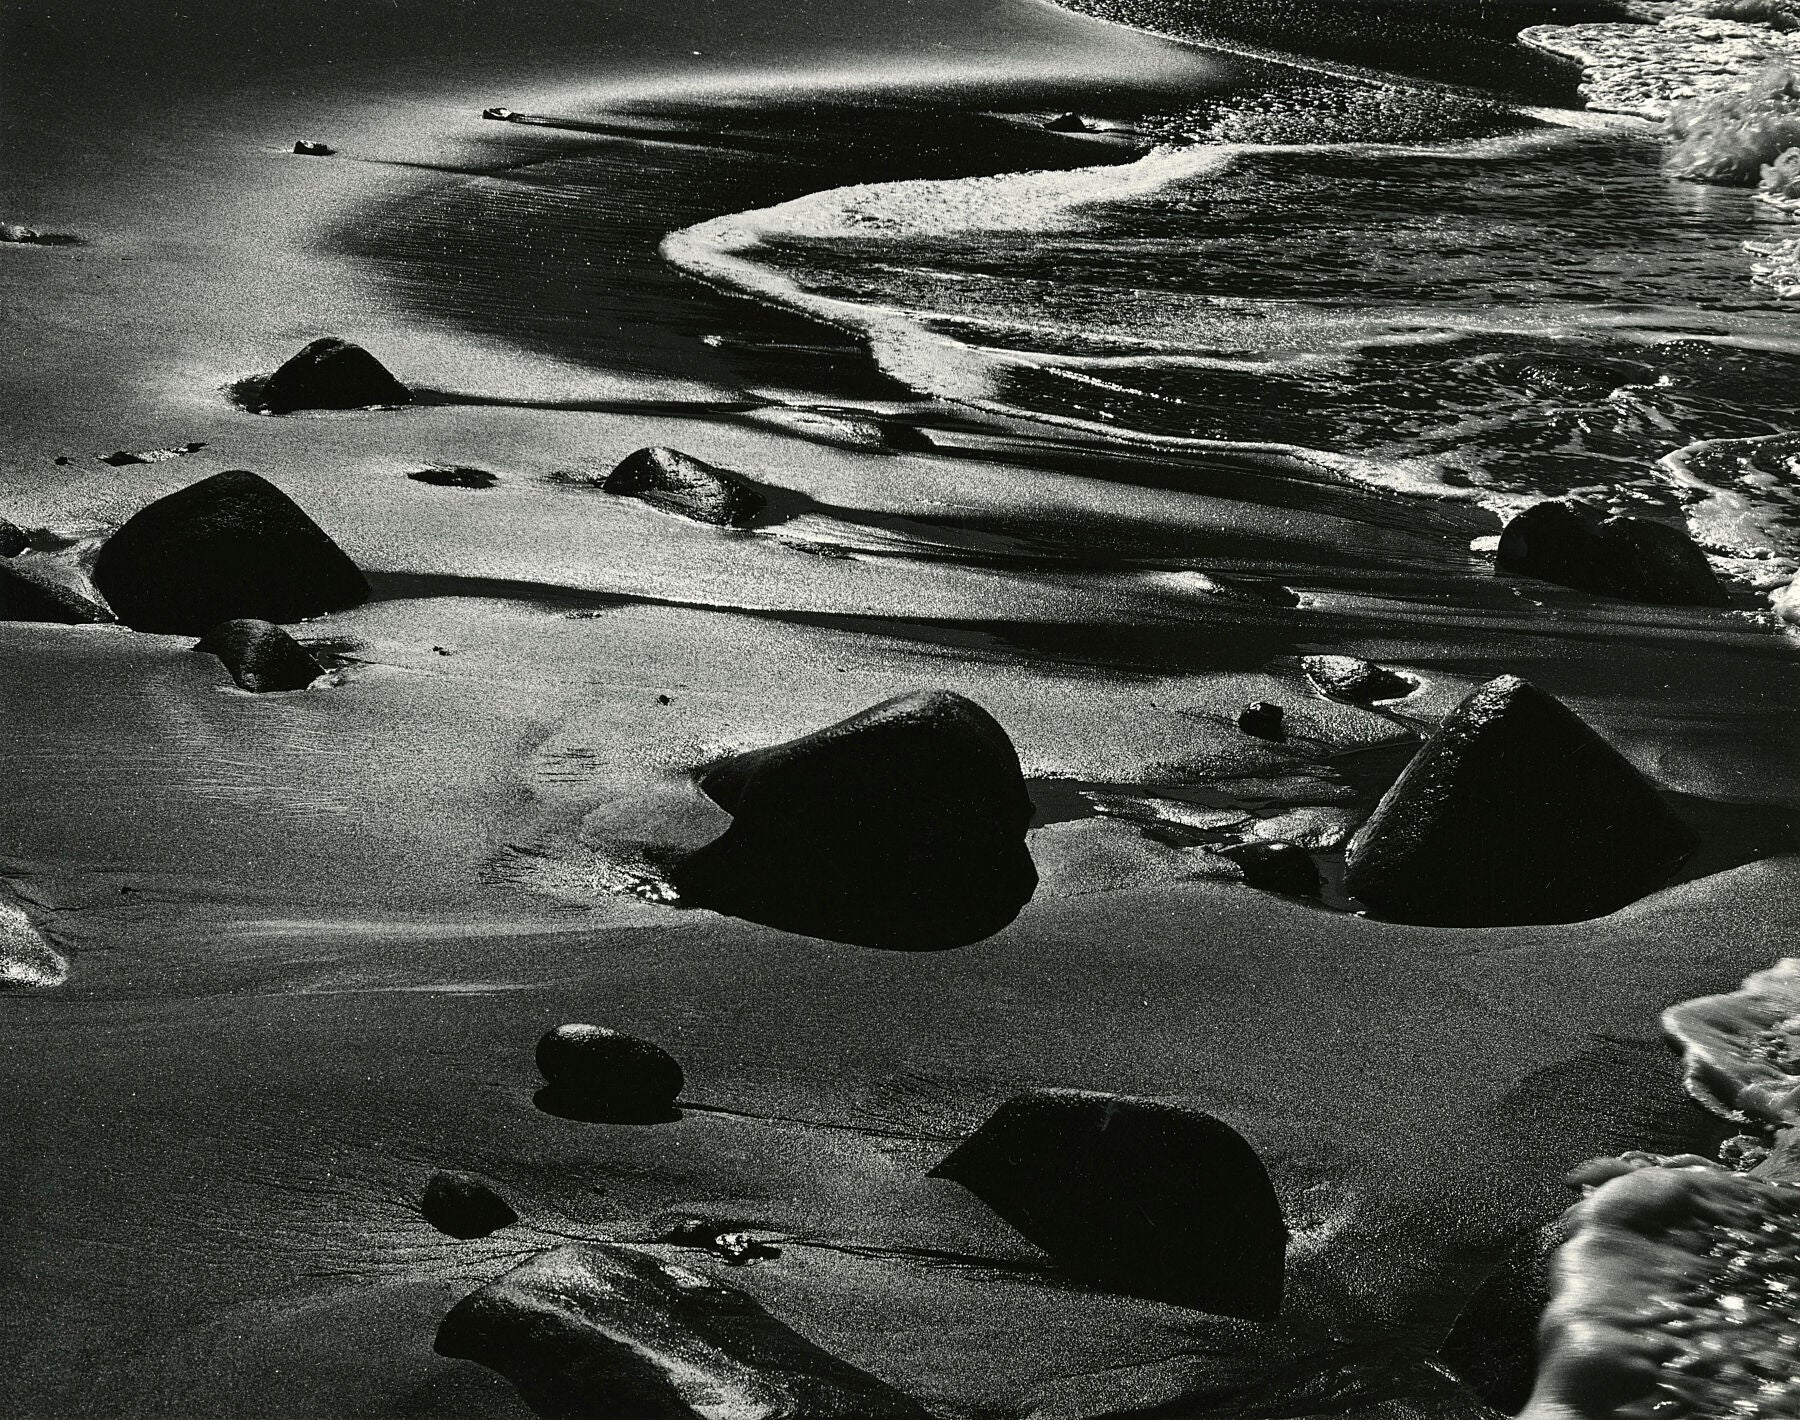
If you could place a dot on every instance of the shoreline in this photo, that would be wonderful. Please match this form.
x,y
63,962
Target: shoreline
x,y
313,936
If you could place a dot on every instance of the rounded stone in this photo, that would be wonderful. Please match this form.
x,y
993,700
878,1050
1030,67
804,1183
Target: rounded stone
x,y
1262,719
464,1207
607,1072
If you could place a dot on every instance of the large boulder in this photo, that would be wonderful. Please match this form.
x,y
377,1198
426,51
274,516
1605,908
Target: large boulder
x,y
1133,1195
34,588
603,1332
680,483
330,374
1632,558
228,547
591,1072
261,656
1514,812
902,827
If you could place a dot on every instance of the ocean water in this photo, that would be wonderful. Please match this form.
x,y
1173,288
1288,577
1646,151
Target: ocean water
x,y
1472,291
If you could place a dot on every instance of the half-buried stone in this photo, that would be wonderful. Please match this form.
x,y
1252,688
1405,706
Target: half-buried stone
x,y
1133,1195
464,1207
1352,679
680,483
328,374
594,1073
260,656
1514,812
1631,558
229,547
1493,1344
587,1332
900,827
34,588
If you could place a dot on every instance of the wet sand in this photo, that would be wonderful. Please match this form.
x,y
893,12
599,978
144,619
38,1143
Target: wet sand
x,y
313,937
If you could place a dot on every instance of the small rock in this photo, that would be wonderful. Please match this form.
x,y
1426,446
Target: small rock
x,y
734,1247
454,476
228,547
1067,123
502,114
596,1073
13,539
1352,679
1631,558
34,588
665,700
306,147
13,232
870,434
680,483
1513,812
120,457
1264,720
1134,1195
1285,868
464,1207
601,1330
329,374
900,827
260,656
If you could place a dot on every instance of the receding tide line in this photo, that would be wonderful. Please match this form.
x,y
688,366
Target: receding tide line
x,y
722,251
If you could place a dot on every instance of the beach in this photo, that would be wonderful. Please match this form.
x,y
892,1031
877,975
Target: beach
x,y
307,941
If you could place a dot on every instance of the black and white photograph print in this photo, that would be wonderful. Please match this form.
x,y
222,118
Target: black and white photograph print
x,y
900,709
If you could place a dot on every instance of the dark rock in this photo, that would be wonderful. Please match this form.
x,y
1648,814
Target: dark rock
x,y
1264,720
1067,123
902,826
1133,1195
261,657
680,483
464,1207
13,539
605,1333
732,1246
229,546
596,1073
1514,812
330,374
1355,680
1493,1344
503,115
44,589
1276,867
309,149
454,476
1630,558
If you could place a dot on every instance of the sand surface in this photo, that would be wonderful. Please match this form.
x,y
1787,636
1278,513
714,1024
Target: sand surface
x,y
312,938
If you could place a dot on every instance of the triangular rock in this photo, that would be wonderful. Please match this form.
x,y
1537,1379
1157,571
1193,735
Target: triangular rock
x,y
1514,812
1134,1195
261,656
902,826
228,547
330,374
589,1332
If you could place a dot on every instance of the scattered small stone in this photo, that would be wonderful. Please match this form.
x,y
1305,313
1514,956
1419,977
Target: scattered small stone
x,y
1264,720
261,657
682,484
464,1207
601,1074
665,700
736,1248
443,651
307,148
1352,679
13,232
454,476
1133,1194
63,460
